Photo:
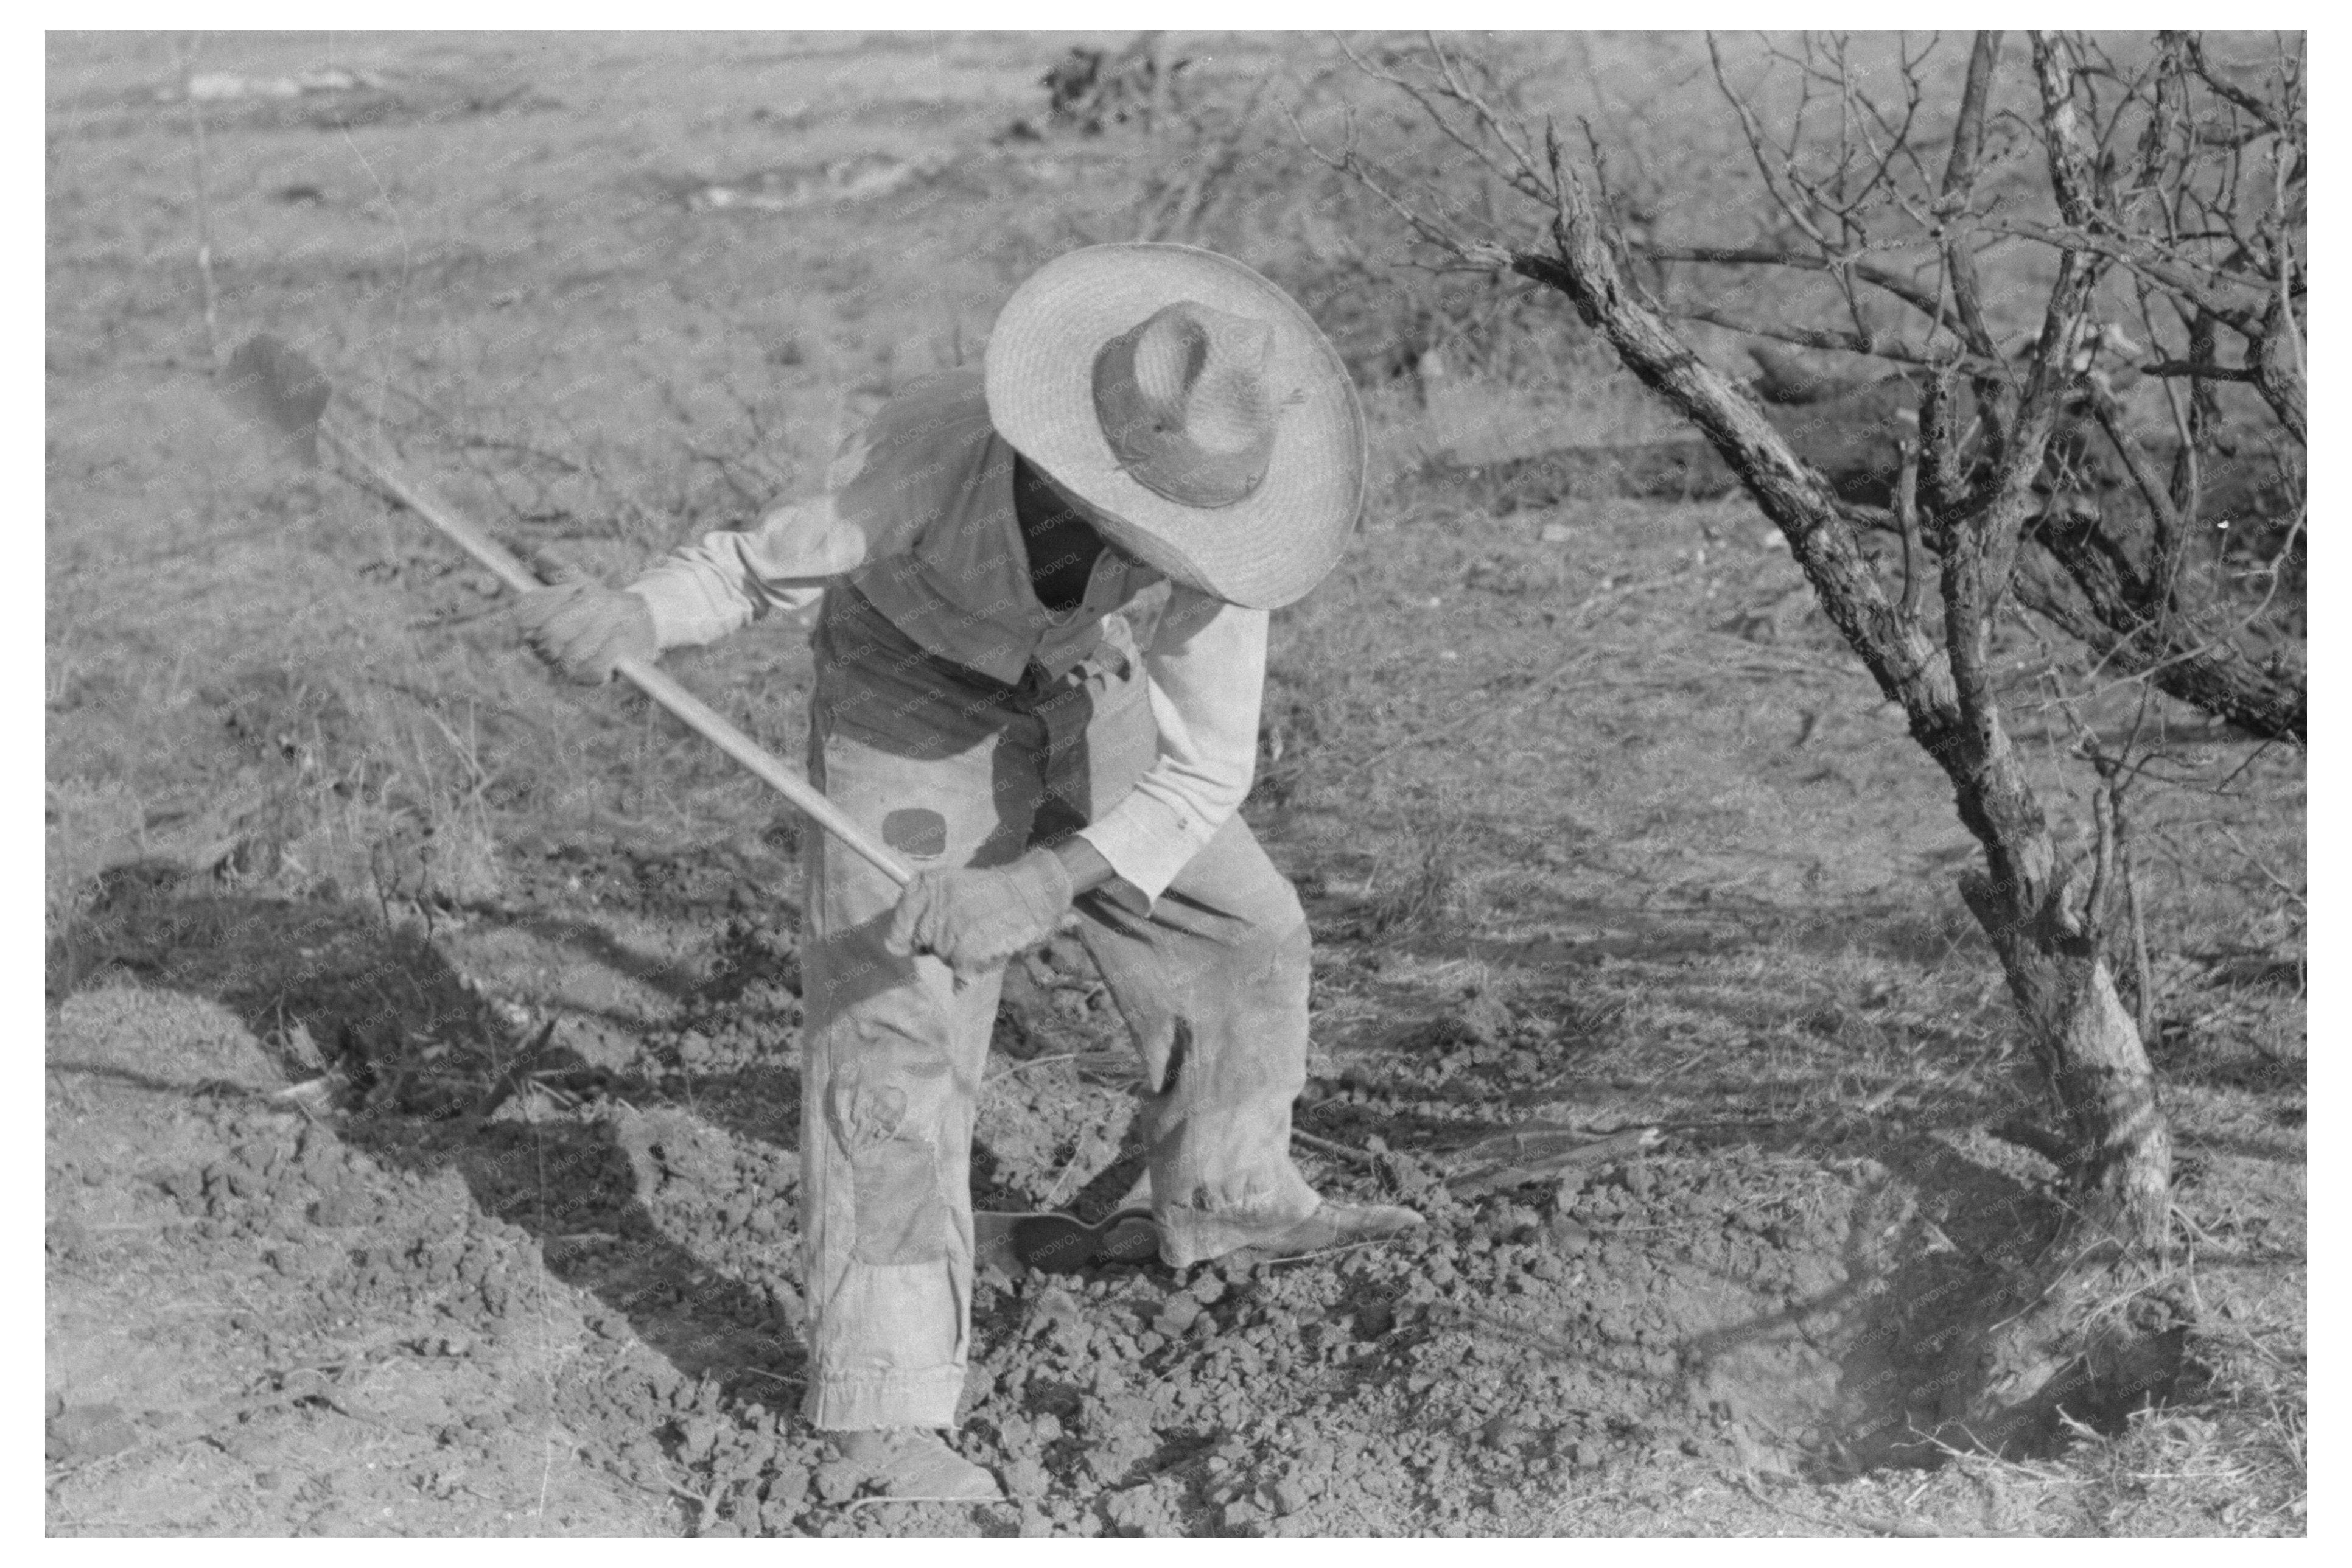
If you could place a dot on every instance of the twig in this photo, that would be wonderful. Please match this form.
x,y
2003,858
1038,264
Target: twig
x,y
1335,1251
1055,1192
1876,344
1019,1068
511,1079
1481,257
854,1504
1903,289
1338,1150
1914,548
203,205
2255,861
2104,804
1499,1175
2143,967
776,1377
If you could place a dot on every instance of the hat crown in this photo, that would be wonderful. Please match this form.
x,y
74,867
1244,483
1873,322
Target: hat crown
x,y
1185,401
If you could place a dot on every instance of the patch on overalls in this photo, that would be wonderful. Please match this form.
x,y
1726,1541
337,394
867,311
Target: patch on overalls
x,y
916,832
901,1216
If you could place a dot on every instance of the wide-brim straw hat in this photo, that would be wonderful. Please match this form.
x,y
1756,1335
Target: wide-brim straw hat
x,y
1194,404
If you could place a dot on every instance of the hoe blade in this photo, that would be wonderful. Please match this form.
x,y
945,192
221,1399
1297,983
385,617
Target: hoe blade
x,y
277,386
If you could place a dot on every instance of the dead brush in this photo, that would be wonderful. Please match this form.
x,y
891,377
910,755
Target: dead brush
x,y
437,852
1433,888
359,785
2192,1422
2180,1472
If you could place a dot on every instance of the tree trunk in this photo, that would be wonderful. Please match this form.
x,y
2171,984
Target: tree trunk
x,y
2092,1055
2097,1071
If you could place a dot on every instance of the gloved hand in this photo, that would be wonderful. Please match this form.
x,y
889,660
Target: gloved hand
x,y
585,629
976,920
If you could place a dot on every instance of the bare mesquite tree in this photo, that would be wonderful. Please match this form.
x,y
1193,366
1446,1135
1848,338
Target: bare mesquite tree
x,y
2148,213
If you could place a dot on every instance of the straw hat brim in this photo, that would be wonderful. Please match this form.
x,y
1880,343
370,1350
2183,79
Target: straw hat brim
x,y
1263,552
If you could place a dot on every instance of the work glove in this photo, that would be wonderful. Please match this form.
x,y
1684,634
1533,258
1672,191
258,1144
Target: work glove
x,y
585,629
976,920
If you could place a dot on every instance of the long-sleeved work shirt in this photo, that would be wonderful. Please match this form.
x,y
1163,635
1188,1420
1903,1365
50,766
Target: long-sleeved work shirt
x,y
919,515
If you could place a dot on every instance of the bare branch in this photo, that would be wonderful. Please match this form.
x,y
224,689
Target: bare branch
x,y
1940,468
2074,584
2221,85
1906,665
2153,488
1959,194
2103,812
2143,257
1919,299
1757,143
1349,162
1914,548
2025,435
1522,178
1877,346
2205,370
1490,123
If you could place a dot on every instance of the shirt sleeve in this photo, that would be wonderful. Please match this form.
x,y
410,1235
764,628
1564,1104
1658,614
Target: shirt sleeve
x,y
1205,676
701,591
884,487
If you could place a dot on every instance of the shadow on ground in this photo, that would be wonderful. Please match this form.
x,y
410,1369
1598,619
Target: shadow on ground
x,y
1828,1283
328,989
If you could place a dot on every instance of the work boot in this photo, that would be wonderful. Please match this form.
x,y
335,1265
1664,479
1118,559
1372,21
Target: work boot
x,y
1333,1225
916,1463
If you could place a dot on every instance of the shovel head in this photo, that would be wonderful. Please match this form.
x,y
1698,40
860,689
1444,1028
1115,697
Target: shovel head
x,y
281,388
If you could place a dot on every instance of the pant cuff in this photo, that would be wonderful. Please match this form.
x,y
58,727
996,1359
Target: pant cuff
x,y
862,1404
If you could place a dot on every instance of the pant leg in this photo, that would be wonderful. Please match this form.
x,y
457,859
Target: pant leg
x,y
892,1051
1212,983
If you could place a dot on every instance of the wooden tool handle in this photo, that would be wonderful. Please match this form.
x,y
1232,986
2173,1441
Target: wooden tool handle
x,y
697,715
